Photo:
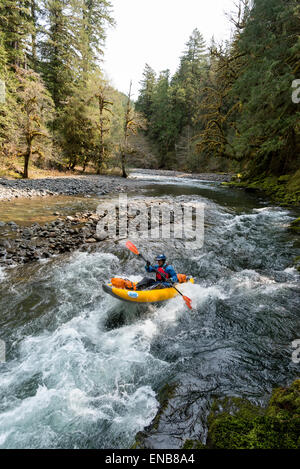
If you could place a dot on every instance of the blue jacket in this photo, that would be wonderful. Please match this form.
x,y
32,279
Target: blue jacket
x,y
169,269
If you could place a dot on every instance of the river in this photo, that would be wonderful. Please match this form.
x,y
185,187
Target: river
x,y
83,370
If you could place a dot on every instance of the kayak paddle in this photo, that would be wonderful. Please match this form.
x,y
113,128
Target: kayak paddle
x,y
134,249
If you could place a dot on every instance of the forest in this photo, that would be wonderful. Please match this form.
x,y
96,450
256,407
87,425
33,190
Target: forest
x,y
149,235
59,110
232,106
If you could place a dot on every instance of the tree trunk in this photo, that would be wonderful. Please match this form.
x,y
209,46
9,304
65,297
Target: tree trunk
x,y
85,162
101,157
72,163
124,174
126,126
26,160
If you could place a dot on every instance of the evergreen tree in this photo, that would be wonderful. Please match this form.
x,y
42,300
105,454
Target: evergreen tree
x,y
16,25
37,15
269,124
187,95
90,20
58,55
145,99
162,129
9,106
188,81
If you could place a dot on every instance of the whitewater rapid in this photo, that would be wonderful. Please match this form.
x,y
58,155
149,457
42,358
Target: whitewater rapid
x,y
83,370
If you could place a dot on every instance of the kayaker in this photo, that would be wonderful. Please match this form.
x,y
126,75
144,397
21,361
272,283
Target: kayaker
x,y
160,268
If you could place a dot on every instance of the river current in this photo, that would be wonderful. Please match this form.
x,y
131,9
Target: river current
x,y
83,370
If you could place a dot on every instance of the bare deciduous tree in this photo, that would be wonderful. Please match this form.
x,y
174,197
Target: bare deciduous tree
x,y
37,108
133,121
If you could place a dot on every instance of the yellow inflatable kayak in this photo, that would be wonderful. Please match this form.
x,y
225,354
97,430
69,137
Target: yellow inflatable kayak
x,y
124,290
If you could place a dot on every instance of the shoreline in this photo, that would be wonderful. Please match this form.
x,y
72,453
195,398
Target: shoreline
x,y
24,244
69,186
283,190
11,189
21,244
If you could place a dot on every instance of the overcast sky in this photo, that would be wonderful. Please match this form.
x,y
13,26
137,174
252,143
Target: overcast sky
x,y
155,32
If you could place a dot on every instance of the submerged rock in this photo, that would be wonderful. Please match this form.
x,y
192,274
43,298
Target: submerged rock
x,y
233,423
236,423
147,439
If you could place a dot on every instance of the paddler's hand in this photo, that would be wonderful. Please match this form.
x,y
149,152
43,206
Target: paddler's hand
x,y
148,263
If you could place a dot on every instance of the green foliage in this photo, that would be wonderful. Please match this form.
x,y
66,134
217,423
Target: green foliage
x,y
269,123
189,79
15,25
36,109
236,423
235,104
284,190
72,41
171,105
145,99
54,46
193,444
162,128
59,59
295,227
90,125
229,108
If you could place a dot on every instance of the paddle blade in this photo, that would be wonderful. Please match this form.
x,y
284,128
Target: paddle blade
x,y
188,302
132,247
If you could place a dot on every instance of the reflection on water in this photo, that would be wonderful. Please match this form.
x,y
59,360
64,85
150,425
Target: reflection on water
x,y
25,211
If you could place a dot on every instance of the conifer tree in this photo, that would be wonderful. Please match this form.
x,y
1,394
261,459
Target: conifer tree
x,y
269,124
188,80
91,19
57,50
163,129
145,99
16,25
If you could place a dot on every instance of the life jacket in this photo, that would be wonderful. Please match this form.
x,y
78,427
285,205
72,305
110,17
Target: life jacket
x,y
161,270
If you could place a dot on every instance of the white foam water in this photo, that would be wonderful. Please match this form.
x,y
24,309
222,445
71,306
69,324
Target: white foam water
x,y
2,274
82,372
85,367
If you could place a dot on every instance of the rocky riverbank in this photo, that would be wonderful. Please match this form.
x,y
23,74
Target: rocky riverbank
x,y
86,185
20,245
23,244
